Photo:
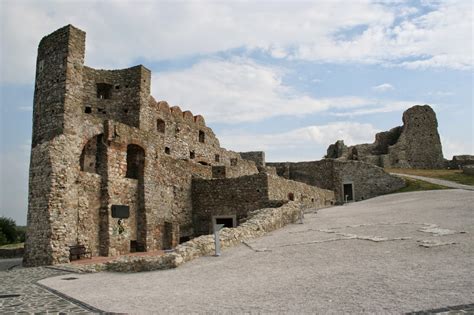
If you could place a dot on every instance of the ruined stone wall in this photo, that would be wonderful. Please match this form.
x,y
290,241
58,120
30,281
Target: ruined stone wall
x,y
119,99
256,156
227,196
85,121
307,195
459,161
416,144
368,180
238,196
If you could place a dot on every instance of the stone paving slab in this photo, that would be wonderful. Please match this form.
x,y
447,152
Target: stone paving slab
x,y
363,257
20,293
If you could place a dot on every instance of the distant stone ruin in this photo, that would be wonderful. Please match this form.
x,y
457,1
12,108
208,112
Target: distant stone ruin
x,y
416,144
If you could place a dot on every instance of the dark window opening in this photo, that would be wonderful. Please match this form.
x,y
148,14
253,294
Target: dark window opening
x,y
312,199
167,150
217,158
117,87
228,222
167,236
135,161
104,91
203,163
192,155
291,196
184,239
125,110
89,160
136,246
202,136
348,195
88,110
160,125
233,162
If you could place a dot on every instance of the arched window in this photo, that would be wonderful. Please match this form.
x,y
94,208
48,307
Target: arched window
x,y
202,136
135,161
90,156
160,125
104,91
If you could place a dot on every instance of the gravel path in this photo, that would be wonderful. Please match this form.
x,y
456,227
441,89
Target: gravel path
x,y
396,253
442,182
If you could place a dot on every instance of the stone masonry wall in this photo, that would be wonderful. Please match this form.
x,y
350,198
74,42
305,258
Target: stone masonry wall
x,y
238,196
416,144
85,122
368,180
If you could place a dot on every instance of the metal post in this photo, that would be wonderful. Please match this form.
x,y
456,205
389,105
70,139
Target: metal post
x,y
217,241
301,215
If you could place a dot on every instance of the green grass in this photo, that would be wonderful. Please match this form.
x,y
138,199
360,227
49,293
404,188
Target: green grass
x,y
418,185
452,175
12,246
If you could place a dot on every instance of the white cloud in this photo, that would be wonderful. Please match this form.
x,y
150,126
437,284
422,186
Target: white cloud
x,y
384,87
241,90
455,147
308,143
302,30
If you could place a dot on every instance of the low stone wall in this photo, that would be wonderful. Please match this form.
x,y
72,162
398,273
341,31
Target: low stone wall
x,y
259,223
11,252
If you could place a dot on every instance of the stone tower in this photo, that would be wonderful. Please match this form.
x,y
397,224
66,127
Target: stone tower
x,y
416,144
57,99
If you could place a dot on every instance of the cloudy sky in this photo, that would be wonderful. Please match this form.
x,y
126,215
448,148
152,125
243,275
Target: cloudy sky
x,y
287,77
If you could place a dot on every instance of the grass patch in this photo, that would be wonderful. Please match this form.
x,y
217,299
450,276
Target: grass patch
x,y
418,185
13,246
453,175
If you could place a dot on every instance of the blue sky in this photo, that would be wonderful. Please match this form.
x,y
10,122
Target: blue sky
x,y
287,77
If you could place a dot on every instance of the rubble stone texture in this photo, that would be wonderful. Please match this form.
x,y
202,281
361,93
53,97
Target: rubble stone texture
x,y
100,139
367,180
416,144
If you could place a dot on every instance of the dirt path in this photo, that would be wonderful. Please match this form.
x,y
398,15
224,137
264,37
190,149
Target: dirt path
x,y
441,182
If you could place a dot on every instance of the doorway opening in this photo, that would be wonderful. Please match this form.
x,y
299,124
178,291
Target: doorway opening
x,y
348,189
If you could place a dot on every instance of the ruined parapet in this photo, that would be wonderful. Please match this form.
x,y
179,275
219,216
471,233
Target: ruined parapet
x,y
419,145
336,150
356,179
459,161
234,198
416,144
256,156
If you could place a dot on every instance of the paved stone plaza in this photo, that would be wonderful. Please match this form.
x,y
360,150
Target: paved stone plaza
x,y
20,293
396,253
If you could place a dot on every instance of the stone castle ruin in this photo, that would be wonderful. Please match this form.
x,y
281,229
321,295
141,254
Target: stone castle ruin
x,y
416,144
116,171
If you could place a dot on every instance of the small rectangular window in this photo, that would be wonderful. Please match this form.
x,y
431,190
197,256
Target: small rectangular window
x,y
202,136
160,125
